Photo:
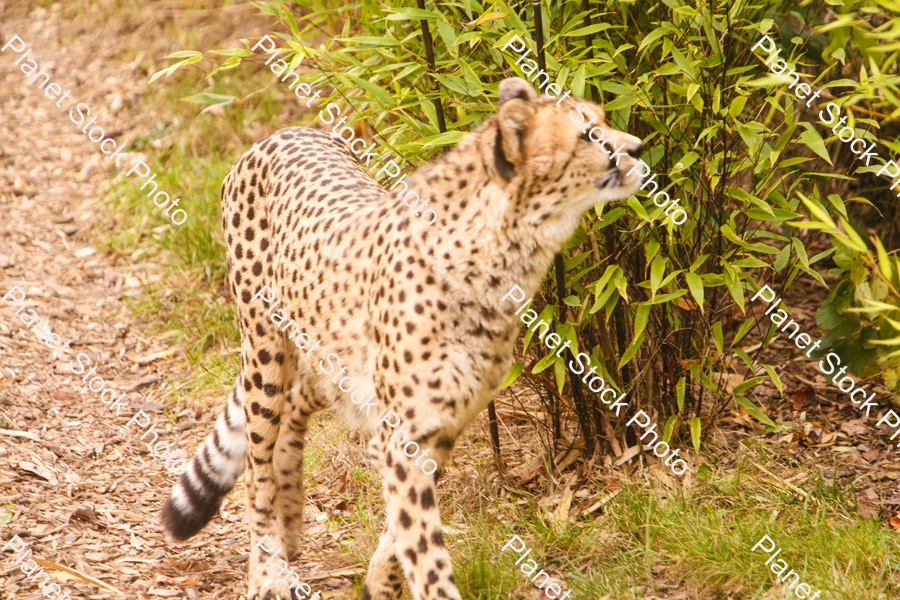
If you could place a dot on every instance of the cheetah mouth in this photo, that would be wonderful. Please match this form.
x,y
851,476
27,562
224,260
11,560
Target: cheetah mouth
x,y
611,179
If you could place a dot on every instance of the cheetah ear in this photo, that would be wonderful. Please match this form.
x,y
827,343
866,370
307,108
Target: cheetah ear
x,y
513,122
516,87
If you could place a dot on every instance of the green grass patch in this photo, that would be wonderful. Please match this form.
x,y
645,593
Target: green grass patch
x,y
651,541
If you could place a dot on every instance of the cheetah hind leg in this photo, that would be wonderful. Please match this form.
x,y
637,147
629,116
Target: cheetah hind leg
x,y
384,580
279,583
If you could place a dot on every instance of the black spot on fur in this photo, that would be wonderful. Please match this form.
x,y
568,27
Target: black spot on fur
x,y
427,499
405,519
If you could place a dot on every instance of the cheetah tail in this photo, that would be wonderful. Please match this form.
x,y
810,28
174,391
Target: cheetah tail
x,y
211,474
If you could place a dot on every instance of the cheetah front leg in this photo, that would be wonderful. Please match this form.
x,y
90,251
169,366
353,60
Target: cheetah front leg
x,y
384,579
414,522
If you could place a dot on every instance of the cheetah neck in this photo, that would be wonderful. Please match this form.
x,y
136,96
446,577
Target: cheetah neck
x,y
481,244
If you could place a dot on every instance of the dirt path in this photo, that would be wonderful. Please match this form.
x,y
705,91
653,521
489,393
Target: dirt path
x,y
78,486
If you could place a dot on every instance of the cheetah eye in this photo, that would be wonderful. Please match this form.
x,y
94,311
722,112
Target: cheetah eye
x,y
584,136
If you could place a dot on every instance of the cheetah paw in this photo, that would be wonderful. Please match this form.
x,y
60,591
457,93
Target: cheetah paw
x,y
275,591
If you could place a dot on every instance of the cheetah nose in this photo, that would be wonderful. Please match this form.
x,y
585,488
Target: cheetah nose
x,y
636,150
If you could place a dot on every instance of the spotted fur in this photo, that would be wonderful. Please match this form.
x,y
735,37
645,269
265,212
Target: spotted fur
x,y
413,310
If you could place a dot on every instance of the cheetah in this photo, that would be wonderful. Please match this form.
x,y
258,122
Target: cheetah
x,y
412,310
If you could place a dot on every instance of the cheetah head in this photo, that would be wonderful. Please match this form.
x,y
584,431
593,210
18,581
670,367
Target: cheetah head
x,y
555,158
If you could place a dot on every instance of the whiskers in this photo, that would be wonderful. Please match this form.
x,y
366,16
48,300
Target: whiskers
x,y
610,179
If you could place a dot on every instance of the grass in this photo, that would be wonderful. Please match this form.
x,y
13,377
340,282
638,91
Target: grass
x,y
652,541
690,541
190,154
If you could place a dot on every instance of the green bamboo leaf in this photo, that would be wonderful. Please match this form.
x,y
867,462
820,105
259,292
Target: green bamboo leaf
x,y
683,64
695,433
800,250
746,358
737,106
232,52
838,203
412,14
657,270
453,83
782,259
632,350
811,138
717,337
640,319
609,217
448,138
775,379
292,23
184,54
668,297
373,89
488,16
746,385
669,428
679,393
208,98
196,57
729,233
513,374
745,327
686,162
754,411
621,102
599,287
652,37
545,362
583,31
546,316
370,40
559,371
873,306
884,264
857,240
750,262
704,379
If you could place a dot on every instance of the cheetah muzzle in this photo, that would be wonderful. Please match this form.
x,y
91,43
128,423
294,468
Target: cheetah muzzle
x,y
412,310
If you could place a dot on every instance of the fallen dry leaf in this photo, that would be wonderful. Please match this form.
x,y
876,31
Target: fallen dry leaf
x,y
872,455
895,522
343,482
686,304
68,570
21,434
855,427
528,471
86,514
146,359
38,471
866,509
802,398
